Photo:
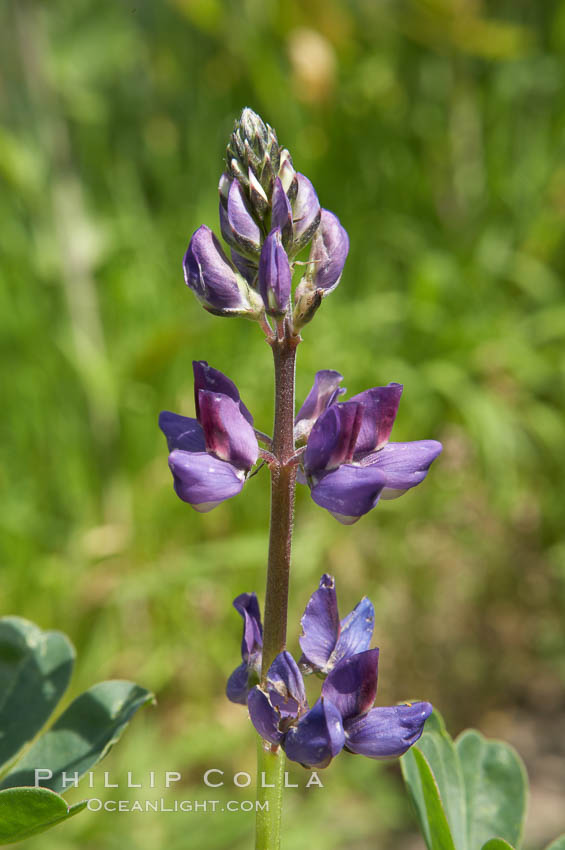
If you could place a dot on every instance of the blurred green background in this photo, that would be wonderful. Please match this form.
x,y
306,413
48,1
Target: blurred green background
x,y
435,129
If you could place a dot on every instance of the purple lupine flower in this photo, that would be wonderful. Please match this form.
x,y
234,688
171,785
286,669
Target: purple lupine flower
x,y
238,226
306,213
275,276
248,672
328,253
348,462
325,391
210,456
326,640
280,714
281,217
215,281
383,732
343,716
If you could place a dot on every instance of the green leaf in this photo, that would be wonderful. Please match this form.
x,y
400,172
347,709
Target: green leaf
x,y
438,748
497,844
82,735
411,776
438,835
27,811
496,788
35,669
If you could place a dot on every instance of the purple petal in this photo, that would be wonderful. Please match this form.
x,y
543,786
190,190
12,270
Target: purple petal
x,y
404,465
306,213
211,276
356,631
317,737
245,267
282,211
263,716
274,274
241,231
352,684
325,391
380,406
247,606
236,688
182,432
228,435
320,624
202,480
387,732
349,492
286,686
333,437
328,253
208,378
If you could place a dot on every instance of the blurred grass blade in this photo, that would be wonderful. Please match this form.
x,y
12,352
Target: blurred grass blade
x,y
425,795
558,844
496,787
35,669
82,735
26,811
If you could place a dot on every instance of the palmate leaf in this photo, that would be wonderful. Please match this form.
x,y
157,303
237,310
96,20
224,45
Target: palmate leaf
x,y
481,787
35,668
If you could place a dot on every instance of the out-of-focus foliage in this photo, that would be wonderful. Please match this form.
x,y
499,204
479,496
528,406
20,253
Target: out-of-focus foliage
x,y
435,130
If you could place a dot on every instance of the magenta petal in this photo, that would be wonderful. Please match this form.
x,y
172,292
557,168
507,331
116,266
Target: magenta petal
x,y
228,435
404,465
386,732
264,717
380,405
286,686
247,606
349,492
182,432
332,439
317,737
236,688
352,684
208,378
202,480
325,391
356,631
320,624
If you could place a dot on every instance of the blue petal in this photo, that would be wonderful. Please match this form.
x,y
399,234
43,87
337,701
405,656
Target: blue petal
x,y
333,437
356,631
247,606
403,464
182,432
317,737
202,480
387,732
264,717
236,688
325,391
350,491
286,686
352,684
320,624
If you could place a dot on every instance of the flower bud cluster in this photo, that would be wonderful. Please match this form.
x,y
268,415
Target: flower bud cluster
x,y
268,213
